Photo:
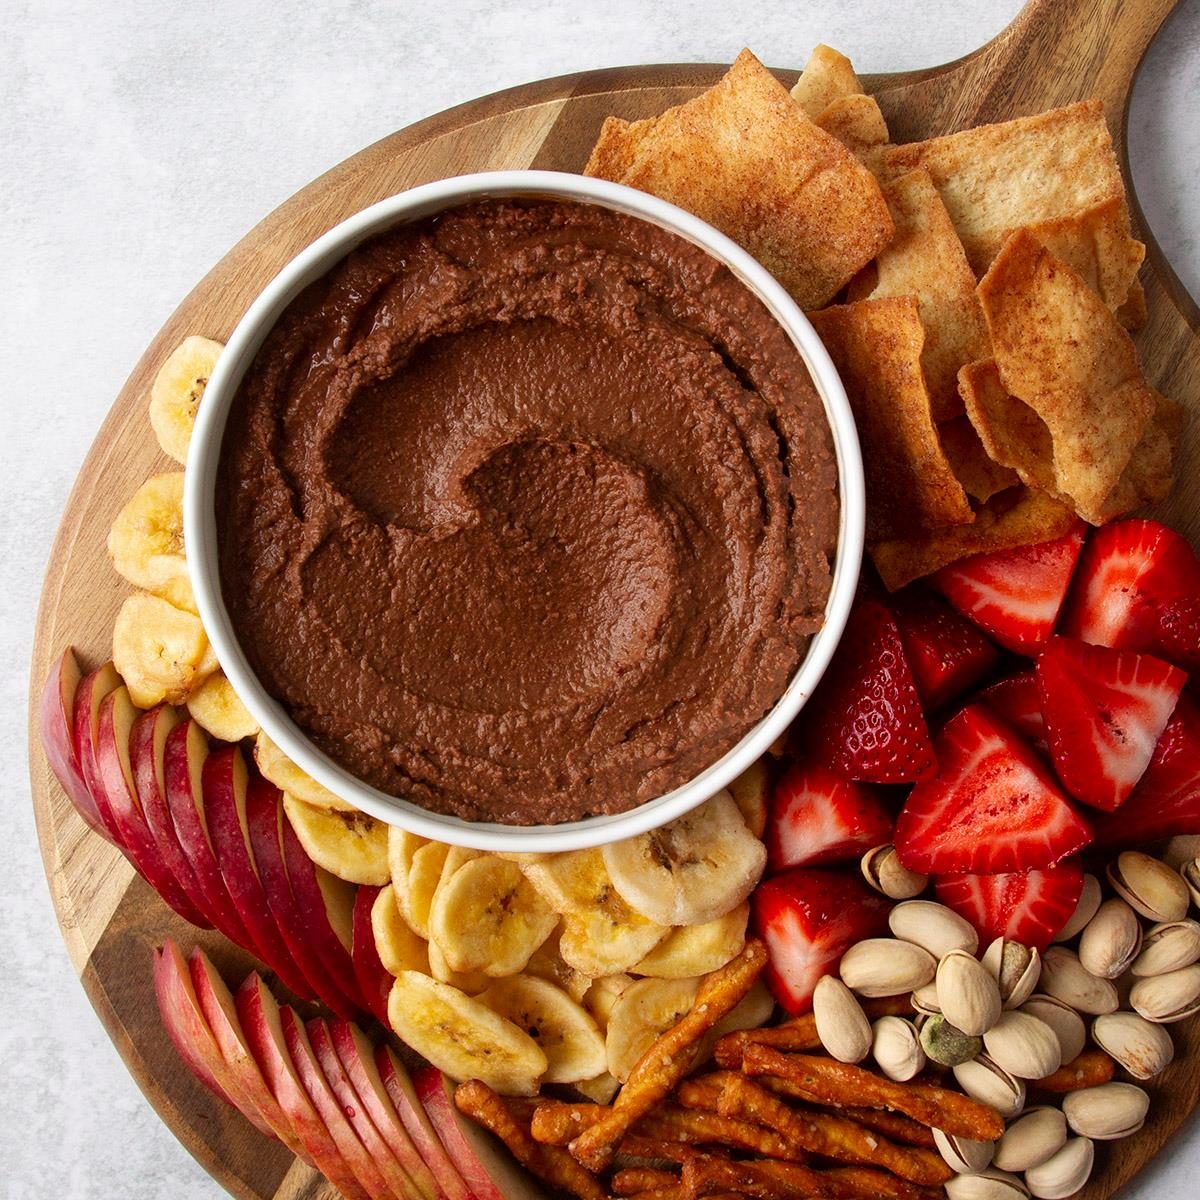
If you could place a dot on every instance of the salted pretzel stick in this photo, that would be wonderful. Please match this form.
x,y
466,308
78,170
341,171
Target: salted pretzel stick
x,y
828,1081
653,1150
698,1127
549,1163
1090,1069
666,1062
633,1180
706,1176
892,1125
830,1136
800,1033
557,1122
675,1192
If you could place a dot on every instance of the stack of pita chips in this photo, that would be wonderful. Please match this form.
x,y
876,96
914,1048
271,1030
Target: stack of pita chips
x,y
974,291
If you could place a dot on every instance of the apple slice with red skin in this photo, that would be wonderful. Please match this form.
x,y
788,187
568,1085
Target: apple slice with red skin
x,y
325,906
220,1011
488,1169
265,821
223,781
147,740
56,707
374,980
184,753
403,1094
355,1054
262,1022
85,730
357,1112
309,1071
115,774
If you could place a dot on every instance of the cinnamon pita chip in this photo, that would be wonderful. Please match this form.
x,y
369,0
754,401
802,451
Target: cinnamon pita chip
x,y
857,122
926,260
745,158
1060,350
998,178
827,76
876,346
981,476
1019,516
1133,314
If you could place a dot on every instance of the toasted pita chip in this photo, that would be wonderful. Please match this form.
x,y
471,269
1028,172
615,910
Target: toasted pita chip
x,y
876,346
981,476
997,178
1060,350
1098,246
617,147
1019,516
925,259
745,158
857,122
1133,314
827,76
1150,475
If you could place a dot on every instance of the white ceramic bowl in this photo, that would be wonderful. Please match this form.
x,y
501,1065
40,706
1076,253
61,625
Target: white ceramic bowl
x,y
200,529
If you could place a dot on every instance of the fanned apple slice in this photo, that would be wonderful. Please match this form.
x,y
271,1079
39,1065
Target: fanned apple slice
x,y
313,1079
224,785
265,820
220,1012
361,1121
354,1052
374,980
403,1095
85,730
262,1023
184,754
56,708
117,716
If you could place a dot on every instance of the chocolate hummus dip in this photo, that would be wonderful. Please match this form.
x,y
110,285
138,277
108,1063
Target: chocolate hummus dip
x,y
526,512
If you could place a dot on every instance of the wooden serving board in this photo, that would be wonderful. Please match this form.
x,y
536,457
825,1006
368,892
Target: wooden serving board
x,y
1055,52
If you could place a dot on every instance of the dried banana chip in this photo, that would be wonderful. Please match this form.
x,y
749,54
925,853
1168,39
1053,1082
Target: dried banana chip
x,y
350,845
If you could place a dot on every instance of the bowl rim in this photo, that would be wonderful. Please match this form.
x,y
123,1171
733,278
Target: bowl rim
x,y
200,532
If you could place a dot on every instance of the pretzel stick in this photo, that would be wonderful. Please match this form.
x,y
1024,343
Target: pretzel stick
x,y
698,1127
1091,1068
666,1062
653,1150
842,1085
556,1122
549,1163
831,1136
675,1192
705,1176
892,1125
642,1179
800,1033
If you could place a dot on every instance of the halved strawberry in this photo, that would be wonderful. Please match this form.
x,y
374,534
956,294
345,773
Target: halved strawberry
x,y
1104,710
819,817
1166,801
992,806
1027,906
1016,699
808,919
1178,638
1129,573
946,652
865,720
1014,596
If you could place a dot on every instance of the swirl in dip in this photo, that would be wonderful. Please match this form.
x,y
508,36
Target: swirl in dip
x,y
526,512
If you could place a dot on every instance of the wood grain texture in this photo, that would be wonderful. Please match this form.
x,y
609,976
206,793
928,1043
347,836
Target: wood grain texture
x,y
1055,52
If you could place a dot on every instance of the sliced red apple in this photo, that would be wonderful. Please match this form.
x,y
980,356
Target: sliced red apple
x,y
184,754
488,1169
355,1054
265,820
325,906
308,1069
85,729
224,786
116,784
217,1005
358,1113
147,740
374,981
400,1090
262,1024
56,707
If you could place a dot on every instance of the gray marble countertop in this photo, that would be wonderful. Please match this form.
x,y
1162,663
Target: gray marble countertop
x,y
139,139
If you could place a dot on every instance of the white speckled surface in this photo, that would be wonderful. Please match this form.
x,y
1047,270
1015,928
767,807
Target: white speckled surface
x,y
138,140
